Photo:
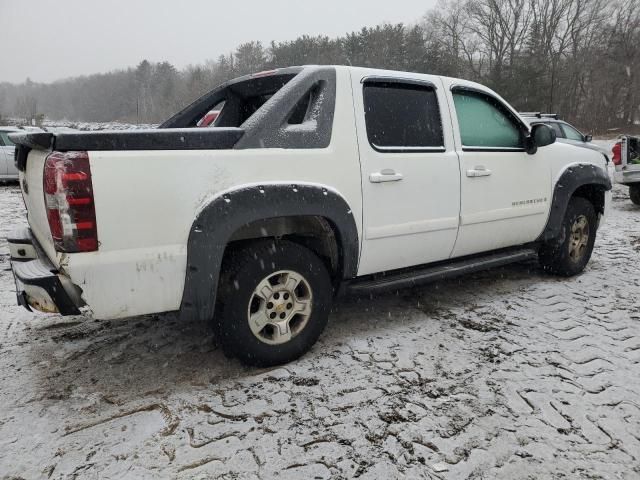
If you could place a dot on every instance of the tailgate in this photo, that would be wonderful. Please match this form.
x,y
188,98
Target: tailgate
x,y
628,171
32,192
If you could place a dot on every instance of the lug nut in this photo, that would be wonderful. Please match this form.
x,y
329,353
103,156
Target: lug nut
x,y
276,296
289,306
273,315
282,315
269,305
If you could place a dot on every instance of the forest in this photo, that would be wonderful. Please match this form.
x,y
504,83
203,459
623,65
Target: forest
x,y
576,58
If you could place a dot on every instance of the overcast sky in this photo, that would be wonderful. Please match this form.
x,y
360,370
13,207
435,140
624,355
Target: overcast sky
x,y
46,40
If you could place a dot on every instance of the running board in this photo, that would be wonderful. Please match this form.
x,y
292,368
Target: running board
x,y
440,271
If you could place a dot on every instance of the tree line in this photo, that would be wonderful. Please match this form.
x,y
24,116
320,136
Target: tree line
x,y
577,58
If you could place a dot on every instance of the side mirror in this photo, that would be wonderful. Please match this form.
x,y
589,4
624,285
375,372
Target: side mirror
x,y
588,138
541,136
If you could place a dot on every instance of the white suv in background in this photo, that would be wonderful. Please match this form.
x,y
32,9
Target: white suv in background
x,y
8,170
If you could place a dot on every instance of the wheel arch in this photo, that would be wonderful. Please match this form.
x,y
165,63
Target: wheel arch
x,y
582,180
259,211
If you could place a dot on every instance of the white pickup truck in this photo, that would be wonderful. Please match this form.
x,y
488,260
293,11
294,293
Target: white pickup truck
x,y
310,182
626,159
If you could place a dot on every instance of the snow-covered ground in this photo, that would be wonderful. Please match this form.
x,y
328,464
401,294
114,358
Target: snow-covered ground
x,y
505,374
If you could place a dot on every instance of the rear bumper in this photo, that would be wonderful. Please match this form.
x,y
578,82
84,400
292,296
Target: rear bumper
x,y
39,284
628,176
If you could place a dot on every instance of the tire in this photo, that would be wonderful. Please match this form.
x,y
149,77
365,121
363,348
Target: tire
x,y
634,193
569,254
256,291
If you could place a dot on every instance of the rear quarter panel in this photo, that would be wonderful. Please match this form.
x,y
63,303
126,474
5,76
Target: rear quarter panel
x,y
146,202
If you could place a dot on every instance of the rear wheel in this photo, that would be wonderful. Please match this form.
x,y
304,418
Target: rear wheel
x,y
570,253
275,301
634,193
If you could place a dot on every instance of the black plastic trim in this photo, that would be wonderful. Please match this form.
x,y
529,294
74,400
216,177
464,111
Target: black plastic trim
x,y
424,274
493,149
20,235
196,110
40,273
269,127
37,273
39,140
399,80
20,157
573,177
220,219
155,139
408,149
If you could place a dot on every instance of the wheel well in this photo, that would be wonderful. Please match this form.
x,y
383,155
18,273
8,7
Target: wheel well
x,y
316,233
592,193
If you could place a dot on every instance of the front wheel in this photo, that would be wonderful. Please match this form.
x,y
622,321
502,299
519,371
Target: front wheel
x,y
569,254
275,301
634,193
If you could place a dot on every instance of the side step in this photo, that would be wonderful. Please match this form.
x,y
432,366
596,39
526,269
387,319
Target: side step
x,y
440,271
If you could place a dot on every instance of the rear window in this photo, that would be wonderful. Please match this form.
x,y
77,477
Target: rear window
x,y
402,117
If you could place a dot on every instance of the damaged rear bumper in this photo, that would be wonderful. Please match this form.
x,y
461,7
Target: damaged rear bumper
x,y
39,284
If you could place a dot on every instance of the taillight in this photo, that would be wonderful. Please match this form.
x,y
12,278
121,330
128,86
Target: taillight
x,y
68,197
617,153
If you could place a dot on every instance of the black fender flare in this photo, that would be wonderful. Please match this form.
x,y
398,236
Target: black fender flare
x,y
216,223
574,177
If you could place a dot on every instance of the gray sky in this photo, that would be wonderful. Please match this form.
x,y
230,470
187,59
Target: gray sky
x,y
52,39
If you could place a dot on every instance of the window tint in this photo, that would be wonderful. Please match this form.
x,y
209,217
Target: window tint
x,y
485,122
4,139
401,115
571,133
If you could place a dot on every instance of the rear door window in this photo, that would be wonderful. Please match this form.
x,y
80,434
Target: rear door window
x,y
402,117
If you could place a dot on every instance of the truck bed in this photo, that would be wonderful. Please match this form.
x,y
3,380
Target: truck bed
x,y
152,139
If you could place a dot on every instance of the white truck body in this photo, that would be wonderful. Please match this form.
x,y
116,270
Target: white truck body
x,y
409,207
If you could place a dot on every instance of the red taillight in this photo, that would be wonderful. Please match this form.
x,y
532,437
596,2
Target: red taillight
x,y
68,197
617,153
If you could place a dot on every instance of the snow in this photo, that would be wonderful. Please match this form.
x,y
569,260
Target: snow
x,y
505,374
60,125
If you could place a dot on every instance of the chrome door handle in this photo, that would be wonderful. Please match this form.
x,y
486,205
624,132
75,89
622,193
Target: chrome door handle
x,y
479,171
386,175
